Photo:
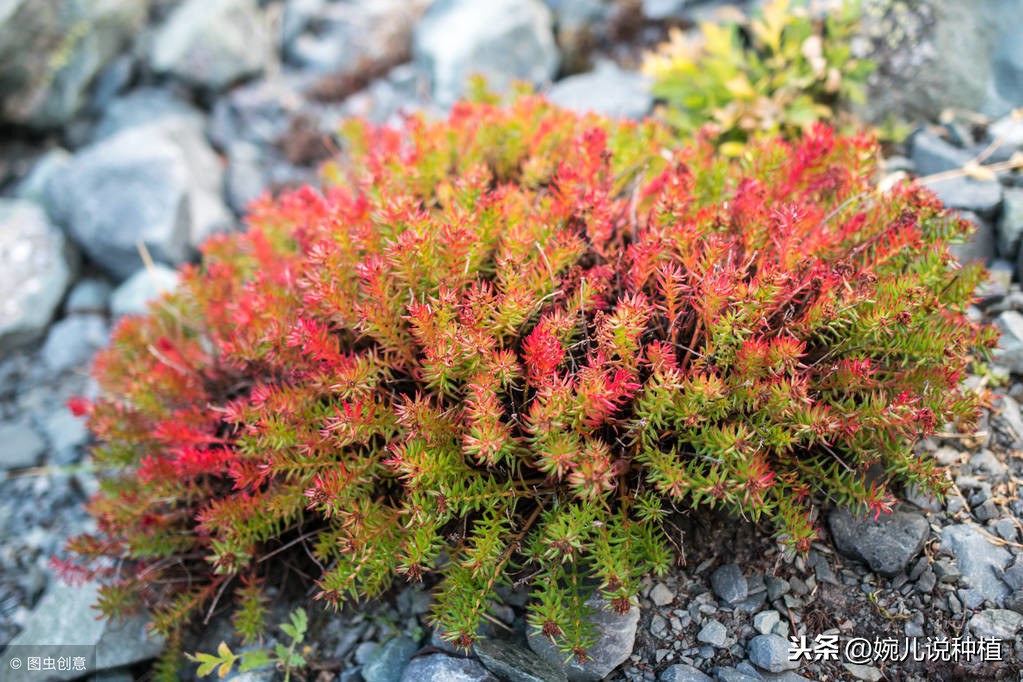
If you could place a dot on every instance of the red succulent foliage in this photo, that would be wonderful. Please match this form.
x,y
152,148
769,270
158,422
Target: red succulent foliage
x,y
507,338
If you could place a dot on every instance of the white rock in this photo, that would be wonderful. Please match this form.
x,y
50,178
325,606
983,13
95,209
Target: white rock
x,y
36,267
503,40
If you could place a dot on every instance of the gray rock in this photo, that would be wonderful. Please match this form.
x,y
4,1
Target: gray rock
x,y
135,294
212,43
22,446
245,178
661,595
1010,227
514,663
1015,601
443,668
969,194
868,673
887,545
985,462
771,653
729,674
765,621
659,10
980,245
713,633
996,623
330,37
681,672
389,660
364,652
729,583
159,184
65,617
72,342
50,52
923,498
926,582
259,112
940,54
776,587
66,434
503,40
33,185
1014,575
143,107
1009,352
931,154
607,90
89,295
1007,64
615,637
979,561
1010,131
36,267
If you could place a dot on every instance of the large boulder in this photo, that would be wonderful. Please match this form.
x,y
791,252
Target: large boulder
x,y
36,268
937,54
212,44
50,52
64,621
502,40
158,184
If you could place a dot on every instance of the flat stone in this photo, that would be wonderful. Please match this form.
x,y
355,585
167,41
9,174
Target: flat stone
x,y
615,637
514,663
996,624
388,661
444,668
713,633
36,266
138,291
770,653
22,446
503,40
212,43
681,672
33,185
729,583
65,617
979,561
887,545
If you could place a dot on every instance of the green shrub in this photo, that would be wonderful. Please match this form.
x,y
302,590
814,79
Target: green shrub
x,y
780,73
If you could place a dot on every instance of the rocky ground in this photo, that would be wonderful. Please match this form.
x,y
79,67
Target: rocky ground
x,y
129,122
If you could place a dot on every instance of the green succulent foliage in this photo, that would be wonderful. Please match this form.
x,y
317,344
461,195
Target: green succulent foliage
x,y
286,656
780,72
